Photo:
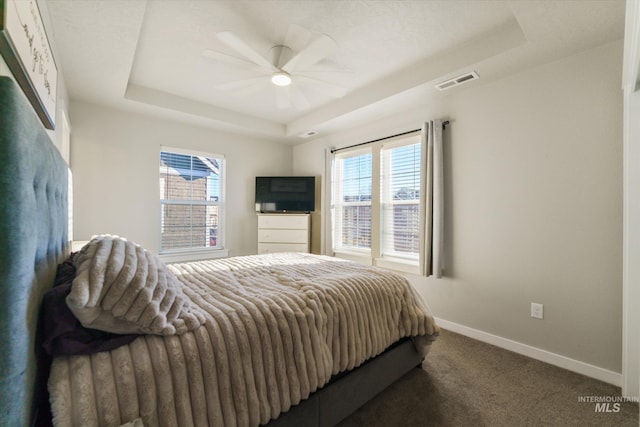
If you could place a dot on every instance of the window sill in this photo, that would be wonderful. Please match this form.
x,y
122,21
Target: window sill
x,y
397,264
194,255
360,258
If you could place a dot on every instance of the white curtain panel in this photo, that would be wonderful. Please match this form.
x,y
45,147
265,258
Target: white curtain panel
x,y
327,211
432,223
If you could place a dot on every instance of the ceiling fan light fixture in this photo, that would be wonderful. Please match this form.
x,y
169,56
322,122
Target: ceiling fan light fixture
x,y
281,78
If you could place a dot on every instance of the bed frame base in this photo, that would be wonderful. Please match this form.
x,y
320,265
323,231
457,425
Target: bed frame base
x,y
331,404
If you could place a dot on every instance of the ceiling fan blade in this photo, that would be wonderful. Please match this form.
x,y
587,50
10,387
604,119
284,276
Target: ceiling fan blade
x,y
241,84
283,97
297,37
255,86
320,48
298,99
223,57
331,89
326,71
237,44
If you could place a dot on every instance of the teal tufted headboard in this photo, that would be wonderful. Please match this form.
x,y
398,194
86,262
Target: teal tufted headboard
x,y
33,240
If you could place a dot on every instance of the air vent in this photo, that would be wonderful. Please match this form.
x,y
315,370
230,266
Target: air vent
x,y
457,80
308,134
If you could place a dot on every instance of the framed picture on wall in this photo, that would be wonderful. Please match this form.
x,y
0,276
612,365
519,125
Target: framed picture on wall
x,y
25,47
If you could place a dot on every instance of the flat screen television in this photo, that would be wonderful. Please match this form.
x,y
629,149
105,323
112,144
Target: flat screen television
x,y
285,193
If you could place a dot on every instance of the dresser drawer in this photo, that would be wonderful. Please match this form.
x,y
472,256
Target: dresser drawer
x,y
283,221
283,233
276,235
265,248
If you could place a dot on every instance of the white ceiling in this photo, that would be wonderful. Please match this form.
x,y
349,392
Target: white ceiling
x,y
146,55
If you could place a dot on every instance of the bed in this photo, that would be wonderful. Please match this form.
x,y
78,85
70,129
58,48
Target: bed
x,y
281,339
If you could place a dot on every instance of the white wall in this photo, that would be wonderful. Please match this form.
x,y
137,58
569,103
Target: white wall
x,y
632,247
533,204
631,243
4,69
114,159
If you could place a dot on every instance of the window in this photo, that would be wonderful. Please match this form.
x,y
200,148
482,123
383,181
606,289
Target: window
x,y
400,200
352,202
191,201
379,224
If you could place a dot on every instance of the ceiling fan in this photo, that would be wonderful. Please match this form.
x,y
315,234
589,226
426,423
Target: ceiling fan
x,y
285,69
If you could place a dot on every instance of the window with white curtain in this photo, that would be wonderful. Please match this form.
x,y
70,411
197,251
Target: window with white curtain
x,y
376,203
191,201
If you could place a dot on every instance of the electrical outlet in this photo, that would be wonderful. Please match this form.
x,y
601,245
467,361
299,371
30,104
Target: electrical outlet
x,y
537,310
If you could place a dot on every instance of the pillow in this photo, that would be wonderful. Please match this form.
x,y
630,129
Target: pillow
x,y
62,333
66,271
120,287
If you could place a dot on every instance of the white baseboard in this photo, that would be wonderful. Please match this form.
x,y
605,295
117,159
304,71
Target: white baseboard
x,y
564,362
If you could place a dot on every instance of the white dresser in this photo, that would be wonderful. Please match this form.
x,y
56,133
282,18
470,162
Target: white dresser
x,y
283,233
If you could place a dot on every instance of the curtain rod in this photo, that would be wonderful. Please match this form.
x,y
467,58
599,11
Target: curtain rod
x,y
335,150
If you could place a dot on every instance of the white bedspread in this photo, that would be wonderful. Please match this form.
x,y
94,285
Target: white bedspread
x,y
277,328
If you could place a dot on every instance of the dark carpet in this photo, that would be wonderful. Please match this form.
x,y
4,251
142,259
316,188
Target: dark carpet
x,y
464,382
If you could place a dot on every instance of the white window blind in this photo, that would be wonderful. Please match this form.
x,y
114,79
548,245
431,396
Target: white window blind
x,y
191,200
376,205
400,201
352,201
